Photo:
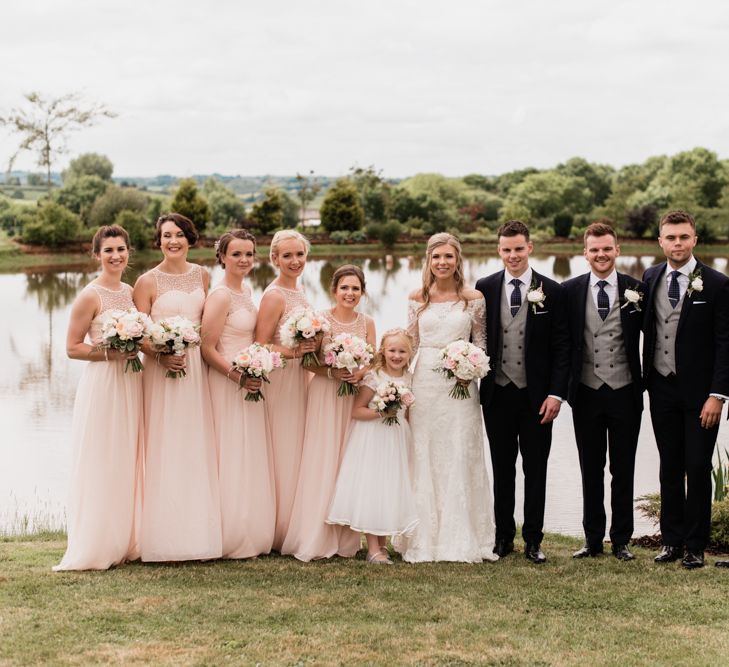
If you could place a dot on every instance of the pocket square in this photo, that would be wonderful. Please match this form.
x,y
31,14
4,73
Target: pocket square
x,y
698,303
542,312
633,312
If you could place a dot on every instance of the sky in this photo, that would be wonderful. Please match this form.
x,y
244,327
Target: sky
x,y
455,87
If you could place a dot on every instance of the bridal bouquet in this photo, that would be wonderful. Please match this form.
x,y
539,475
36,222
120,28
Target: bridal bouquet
x,y
173,335
124,330
463,361
389,397
303,324
350,352
257,361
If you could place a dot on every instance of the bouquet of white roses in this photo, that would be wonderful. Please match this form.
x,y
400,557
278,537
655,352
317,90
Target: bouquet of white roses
x,y
463,361
389,397
257,361
303,324
173,335
350,352
124,330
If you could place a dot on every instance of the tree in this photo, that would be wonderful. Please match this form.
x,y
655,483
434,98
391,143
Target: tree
x,y
137,226
190,203
548,193
53,226
89,164
269,213
374,192
341,208
113,201
80,193
226,209
45,124
308,189
598,177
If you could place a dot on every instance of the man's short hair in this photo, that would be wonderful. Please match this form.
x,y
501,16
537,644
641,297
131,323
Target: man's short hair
x,y
600,228
513,228
676,218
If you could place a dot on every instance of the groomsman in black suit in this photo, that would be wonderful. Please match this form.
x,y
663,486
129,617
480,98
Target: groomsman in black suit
x,y
528,343
604,311
686,368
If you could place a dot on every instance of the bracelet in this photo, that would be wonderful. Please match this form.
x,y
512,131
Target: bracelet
x,y
230,370
329,372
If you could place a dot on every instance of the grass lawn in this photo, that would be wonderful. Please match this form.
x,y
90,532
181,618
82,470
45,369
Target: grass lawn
x,y
277,611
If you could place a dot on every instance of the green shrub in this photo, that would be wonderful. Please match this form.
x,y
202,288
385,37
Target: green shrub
x,y
115,200
358,236
54,225
720,524
372,231
139,230
390,233
562,224
339,236
649,506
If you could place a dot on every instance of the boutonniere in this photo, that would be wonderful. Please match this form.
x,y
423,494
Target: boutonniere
x,y
696,283
632,296
536,296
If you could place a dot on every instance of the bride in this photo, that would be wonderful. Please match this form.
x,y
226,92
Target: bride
x,y
450,481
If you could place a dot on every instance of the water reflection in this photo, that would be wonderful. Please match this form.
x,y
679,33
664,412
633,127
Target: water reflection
x,y
38,382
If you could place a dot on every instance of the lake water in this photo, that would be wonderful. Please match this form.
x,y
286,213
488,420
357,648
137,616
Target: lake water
x,y
38,381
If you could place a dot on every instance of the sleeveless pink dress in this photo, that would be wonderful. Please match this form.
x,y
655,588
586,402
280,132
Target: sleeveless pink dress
x,y
181,512
245,459
328,418
105,492
286,412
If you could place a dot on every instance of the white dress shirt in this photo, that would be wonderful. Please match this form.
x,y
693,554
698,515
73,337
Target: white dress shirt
x,y
526,280
611,289
683,278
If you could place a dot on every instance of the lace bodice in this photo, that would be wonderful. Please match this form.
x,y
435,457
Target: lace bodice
x,y
357,328
179,294
240,324
295,298
442,323
120,299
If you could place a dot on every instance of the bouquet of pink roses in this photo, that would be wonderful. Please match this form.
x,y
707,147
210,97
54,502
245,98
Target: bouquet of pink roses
x,y
173,335
389,397
463,361
124,330
303,324
257,361
350,352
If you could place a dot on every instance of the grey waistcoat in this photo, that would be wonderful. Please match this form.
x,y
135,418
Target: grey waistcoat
x,y
510,366
604,359
664,357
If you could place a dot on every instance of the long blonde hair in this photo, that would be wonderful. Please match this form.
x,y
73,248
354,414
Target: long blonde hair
x,y
286,235
435,241
379,362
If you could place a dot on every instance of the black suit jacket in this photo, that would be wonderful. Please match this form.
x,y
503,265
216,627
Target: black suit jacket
x,y
546,339
631,318
702,338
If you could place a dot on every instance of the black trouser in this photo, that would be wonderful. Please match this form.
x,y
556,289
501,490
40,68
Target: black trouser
x,y
512,425
685,450
607,420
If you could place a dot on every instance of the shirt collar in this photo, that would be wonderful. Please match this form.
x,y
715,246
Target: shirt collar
x,y
611,280
687,269
526,277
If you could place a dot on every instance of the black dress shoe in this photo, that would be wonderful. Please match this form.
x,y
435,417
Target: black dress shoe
x,y
722,563
693,559
589,550
534,553
668,554
503,548
621,552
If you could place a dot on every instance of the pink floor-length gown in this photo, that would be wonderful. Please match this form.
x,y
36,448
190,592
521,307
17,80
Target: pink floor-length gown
x,y
328,418
286,412
181,511
105,490
245,459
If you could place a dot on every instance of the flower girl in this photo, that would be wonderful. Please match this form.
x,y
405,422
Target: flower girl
x,y
373,493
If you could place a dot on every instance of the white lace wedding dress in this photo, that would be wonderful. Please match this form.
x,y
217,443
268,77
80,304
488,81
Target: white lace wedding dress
x,y
450,481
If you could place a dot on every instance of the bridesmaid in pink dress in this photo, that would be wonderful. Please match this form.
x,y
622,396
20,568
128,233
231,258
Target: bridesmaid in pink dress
x,y
328,417
286,394
103,507
181,512
245,459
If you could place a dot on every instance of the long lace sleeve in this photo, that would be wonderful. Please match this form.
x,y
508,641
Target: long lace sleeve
x,y
477,311
413,328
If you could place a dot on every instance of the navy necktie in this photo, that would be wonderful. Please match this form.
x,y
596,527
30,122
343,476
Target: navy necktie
x,y
674,293
603,303
515,296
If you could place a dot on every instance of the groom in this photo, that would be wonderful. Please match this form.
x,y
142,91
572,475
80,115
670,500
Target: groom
x,y
686,368
528,343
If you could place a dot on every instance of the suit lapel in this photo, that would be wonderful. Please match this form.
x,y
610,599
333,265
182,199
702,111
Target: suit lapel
x,y
624,312
536,280
581,305
652,287
493,318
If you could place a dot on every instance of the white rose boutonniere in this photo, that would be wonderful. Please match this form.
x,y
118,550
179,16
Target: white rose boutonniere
x,y
632,296
536,296
696,282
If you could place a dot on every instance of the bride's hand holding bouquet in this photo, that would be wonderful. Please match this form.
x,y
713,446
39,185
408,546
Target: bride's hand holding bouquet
x,y
465,362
